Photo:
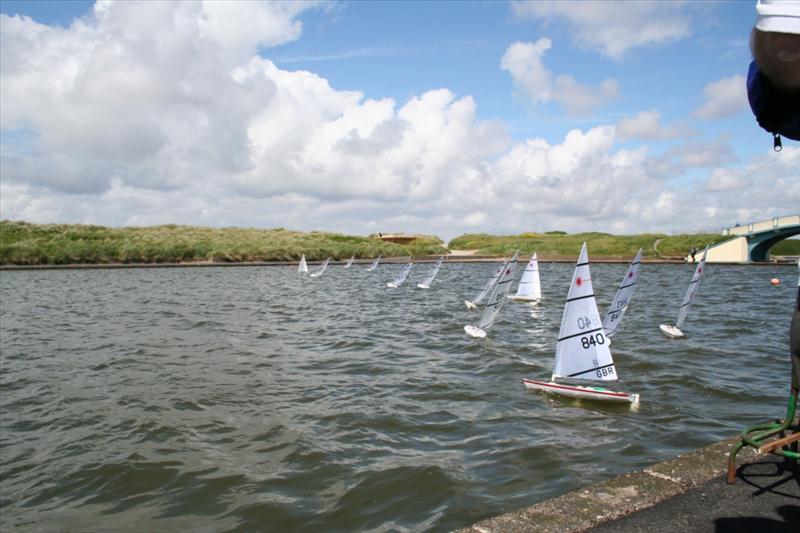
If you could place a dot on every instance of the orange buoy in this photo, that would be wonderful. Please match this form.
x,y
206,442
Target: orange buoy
x,y
775,281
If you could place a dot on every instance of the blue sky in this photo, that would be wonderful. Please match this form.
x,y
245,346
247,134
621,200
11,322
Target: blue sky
x,y
359,117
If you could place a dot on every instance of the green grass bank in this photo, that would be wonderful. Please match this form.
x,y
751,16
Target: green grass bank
x,y
556,244
22,243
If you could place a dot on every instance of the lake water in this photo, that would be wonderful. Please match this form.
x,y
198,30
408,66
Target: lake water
x,y
211,399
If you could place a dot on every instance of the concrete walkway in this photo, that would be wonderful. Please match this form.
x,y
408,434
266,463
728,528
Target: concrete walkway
x,y
686,494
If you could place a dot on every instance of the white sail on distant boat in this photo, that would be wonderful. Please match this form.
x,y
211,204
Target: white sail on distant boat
x,y
303,267
530,288
674,332
623,297
495,301
350,263
319,272
582,351
488,286
427,283
401,276
374,264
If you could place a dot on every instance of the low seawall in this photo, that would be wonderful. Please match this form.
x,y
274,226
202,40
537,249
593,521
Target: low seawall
x,y
588,507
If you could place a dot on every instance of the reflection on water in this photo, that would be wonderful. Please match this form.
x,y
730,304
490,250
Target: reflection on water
x,y
245,398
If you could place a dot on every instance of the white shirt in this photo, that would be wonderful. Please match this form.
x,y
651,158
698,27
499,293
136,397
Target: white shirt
x,y
778,15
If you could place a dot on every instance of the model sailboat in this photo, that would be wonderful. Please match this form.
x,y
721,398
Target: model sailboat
x,y
674,332
582,351
495,301
530,288
374,264
303,267
623,297
319,272
427,283
350,263
401,276
488,286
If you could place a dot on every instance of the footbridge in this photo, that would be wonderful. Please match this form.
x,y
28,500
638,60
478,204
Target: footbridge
x,y
751,242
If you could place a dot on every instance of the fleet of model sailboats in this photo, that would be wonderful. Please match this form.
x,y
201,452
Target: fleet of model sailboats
x,y
582,354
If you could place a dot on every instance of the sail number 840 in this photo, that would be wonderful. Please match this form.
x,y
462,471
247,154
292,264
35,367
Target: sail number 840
x,y
592,340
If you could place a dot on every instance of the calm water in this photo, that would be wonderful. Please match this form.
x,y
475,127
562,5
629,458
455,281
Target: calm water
x,y
256,399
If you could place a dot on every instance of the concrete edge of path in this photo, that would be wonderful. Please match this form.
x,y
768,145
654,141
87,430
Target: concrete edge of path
x,y
590,506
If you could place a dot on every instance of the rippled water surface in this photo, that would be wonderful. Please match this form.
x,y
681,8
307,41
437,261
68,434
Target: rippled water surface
x,y
212,399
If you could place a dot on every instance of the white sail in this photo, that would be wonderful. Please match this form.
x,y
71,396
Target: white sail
x,y
619,305
402,275
427,283
499,293
374,264
691,290
303,267
350,263
489,285
582,349
319,272
530,288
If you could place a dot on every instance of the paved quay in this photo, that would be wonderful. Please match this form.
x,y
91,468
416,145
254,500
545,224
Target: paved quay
x,y
686,494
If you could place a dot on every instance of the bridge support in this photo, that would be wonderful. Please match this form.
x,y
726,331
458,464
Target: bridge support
x,y
751,243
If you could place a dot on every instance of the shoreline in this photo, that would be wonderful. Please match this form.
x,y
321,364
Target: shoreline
x,y
453,258
623,495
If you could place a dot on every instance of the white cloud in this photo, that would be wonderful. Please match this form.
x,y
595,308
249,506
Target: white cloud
x,y
647,125
723,98
115,121
724,180
524,62
612,28
535,82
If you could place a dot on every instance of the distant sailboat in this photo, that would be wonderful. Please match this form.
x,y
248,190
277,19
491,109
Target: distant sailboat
x,y
374,264
495,301
488,286
427,283
303,267
674,332
623,297
530,288
319,272
350,263
401,276
582,351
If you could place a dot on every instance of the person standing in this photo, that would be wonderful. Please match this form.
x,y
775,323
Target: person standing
x,y
773,78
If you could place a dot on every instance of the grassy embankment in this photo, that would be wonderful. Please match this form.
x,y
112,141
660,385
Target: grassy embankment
x,y
557,244
58,244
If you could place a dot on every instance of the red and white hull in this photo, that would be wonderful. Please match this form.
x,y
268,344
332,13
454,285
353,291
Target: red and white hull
x,y
586,393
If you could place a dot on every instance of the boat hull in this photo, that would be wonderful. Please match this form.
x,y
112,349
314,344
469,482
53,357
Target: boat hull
x,y
585,393
392,285
673,332
475,332
471,306
423,286
527,299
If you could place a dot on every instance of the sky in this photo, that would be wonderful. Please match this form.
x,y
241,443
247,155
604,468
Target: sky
x,y
440,118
